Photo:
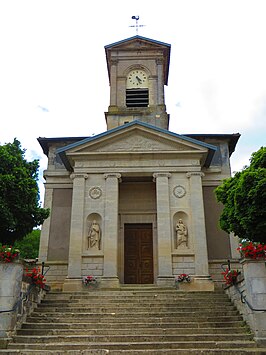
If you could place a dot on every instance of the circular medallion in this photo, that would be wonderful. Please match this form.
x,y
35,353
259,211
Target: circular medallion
x,y
95,192
179,191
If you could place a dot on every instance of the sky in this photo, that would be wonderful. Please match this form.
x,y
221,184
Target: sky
x,y
53,73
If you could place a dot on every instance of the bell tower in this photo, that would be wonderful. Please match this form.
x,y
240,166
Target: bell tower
x,y
138,70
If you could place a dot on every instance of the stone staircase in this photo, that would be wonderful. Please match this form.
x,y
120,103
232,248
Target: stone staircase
x,y
134,320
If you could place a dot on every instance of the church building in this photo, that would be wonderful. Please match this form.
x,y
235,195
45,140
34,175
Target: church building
x,y
135,204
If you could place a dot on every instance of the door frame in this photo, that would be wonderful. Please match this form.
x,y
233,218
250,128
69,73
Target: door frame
x,y
141,218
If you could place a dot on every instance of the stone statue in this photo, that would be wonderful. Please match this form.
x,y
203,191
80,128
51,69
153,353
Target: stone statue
x,y
94,236
181,235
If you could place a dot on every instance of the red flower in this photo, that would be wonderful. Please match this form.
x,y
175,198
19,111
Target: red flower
x,y
36,277
252,250
8,253
230,276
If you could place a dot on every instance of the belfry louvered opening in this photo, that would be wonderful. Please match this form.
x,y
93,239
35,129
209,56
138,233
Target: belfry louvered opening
x,y
137,97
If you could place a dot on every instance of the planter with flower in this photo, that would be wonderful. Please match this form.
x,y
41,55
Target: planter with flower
x,y
90,281
182,278
252,250
230,276
8,254
37,278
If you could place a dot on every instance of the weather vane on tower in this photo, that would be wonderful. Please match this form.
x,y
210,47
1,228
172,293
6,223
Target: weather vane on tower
x,y
137,24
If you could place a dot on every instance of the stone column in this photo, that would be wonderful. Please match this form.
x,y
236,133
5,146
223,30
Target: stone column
x,y
165,274
73,281
113,83
44,240
110,276
160,82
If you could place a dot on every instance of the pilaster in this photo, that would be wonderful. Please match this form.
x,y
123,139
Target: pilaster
x,y
113,90
160,84
164,228
44,240
198,223
76,228
110,272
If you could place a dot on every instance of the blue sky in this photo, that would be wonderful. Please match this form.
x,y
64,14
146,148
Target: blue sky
x,y
53,75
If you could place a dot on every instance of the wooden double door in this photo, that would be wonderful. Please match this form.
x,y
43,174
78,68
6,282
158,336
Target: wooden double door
x,y
138,254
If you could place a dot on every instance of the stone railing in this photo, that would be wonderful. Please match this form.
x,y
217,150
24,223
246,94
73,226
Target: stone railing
x,y
18,298
249,296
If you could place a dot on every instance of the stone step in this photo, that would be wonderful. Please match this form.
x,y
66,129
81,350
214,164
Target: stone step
x,y
107,313
130,331
117,318
200,345
135,302
135,338
150,303
134,321
240,351
146,295
138,325
139,292
139,308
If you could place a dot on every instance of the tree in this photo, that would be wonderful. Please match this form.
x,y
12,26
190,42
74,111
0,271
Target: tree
x,y
29,245
244,200
20,210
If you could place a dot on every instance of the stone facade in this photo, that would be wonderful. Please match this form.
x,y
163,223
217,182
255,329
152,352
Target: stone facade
x,y
136,173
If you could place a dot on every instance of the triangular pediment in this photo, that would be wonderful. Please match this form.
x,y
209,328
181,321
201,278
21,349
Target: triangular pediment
x,y
134,138
137,141
137,42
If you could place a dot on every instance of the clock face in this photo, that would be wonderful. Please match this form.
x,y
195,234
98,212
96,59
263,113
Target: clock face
x,y
137,78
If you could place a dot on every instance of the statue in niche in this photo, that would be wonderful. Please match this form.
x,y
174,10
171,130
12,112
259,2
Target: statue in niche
x,y
181,235
94,236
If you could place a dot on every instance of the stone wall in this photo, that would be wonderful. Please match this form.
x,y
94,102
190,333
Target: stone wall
x,y
18,298
249,296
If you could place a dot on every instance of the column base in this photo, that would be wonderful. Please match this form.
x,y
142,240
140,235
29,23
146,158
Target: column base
x,y
198,283
165,281
109,282
74,284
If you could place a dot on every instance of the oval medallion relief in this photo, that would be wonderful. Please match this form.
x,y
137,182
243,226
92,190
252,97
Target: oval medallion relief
x,y
95,192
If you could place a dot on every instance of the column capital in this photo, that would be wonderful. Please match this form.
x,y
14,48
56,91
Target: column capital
x,y
195,173
162,174
79,176
159,61
114,61
113,175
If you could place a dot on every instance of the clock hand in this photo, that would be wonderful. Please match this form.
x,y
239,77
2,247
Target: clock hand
x,y
138,78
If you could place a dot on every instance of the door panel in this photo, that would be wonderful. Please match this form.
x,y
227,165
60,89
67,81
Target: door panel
x,y
138,254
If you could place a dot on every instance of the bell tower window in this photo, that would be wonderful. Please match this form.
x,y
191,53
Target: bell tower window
x,y
137,97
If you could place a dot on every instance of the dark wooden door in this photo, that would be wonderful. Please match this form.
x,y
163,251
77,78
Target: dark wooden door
x,y
138,254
